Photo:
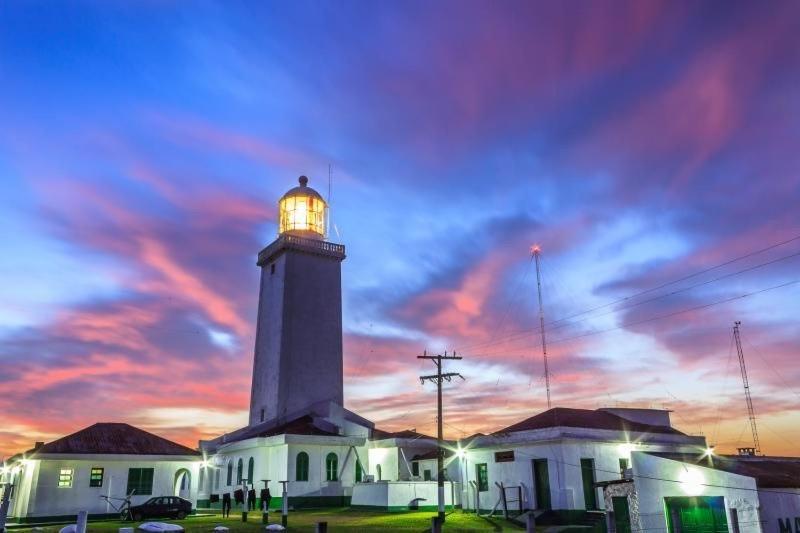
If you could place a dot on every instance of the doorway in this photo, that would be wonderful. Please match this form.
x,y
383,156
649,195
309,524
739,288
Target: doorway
x,y
541,483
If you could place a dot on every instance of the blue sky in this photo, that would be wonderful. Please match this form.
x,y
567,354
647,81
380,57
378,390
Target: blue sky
x,y
143,148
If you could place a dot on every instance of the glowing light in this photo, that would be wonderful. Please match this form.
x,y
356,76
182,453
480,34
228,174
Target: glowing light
x,y
708,451
692,481
626,448
536,249
461,453
302,209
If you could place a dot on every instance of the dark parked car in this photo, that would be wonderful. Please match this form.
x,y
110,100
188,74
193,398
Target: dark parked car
x,y
161,507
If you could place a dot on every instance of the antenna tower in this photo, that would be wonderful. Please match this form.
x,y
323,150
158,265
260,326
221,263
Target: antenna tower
x,y
536,250
750,411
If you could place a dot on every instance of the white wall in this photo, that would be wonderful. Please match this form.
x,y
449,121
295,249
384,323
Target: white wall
x,y
657,478
277,461
396,495
42,497
779,506
564,468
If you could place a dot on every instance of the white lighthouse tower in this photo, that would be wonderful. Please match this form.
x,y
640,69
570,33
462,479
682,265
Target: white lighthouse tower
x,y
298,348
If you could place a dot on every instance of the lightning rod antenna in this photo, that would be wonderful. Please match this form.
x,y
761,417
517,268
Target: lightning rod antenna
x,y
536,250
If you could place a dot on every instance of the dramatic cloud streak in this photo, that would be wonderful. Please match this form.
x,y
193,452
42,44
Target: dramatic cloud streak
x,y
141,158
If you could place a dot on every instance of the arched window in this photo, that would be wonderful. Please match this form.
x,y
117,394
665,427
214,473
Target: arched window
x,y
239,469
230,473
359,471
301,467
251,466
378,471
331,467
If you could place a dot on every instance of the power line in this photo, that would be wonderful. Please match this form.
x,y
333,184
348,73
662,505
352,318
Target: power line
x,y
683,289
695,274
524,333
668,315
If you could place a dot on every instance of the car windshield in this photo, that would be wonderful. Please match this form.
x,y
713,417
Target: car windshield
x,y
151,501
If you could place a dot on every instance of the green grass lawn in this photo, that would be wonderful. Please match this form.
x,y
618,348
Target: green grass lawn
x,y
342,519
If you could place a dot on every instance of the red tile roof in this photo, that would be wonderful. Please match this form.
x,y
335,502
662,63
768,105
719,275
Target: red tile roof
x,y
114,438
584,418
379,434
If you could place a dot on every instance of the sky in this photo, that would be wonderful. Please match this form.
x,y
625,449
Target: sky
x,y
649,148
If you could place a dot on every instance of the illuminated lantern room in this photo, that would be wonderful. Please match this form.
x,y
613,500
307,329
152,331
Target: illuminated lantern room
x,y
302,212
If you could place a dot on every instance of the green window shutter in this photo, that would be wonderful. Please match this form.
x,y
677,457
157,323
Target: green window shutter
x,y
359,471
589,492
140,480
239,469
251,466
301,467
426,475
230,474
96,477
415,469
482,475
331,467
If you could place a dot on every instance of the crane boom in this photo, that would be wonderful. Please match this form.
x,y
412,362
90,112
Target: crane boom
x,y
750,411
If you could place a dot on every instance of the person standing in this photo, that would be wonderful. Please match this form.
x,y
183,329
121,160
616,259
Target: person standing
x,y
226,505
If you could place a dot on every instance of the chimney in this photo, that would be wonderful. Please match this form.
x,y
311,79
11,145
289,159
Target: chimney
x,y
38,444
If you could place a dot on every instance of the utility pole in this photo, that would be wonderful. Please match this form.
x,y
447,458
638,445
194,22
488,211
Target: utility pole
x,y
536,250
750,411
438,378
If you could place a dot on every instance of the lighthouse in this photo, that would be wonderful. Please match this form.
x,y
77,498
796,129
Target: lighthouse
x,y
298,345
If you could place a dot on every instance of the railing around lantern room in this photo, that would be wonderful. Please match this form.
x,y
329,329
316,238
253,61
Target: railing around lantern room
x,y
293,242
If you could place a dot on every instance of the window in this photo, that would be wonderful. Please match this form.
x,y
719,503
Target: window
x,y
216,479
140,480
415,469
378,471
239,469
230,474
301,467
202,478
96,477
271,271
426,475
65,478
331,467
623,465
482,475
262,415
251,466
504,457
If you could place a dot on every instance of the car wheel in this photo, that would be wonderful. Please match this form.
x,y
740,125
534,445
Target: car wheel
x,y
181,515
137,517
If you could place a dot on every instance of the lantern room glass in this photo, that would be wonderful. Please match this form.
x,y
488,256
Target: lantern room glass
x,y
302,213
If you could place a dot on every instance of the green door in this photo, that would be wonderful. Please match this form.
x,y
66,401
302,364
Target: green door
x,y
622,515
589,493
541,483
701,514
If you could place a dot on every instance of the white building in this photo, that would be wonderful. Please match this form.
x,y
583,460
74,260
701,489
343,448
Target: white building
x,y
54,481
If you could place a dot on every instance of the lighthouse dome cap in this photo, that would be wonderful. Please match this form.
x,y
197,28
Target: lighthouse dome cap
x,y
303,190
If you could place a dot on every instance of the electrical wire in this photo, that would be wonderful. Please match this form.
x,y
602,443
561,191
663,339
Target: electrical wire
x,y
524,333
